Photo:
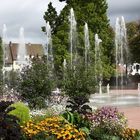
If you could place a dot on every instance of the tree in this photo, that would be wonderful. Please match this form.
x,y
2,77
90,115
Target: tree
x,y
133,32
51,17
36,83
135,49
94,12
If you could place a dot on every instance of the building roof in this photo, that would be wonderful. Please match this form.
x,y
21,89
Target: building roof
x,y
32,50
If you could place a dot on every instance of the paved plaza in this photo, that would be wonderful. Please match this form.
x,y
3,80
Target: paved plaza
x,y
133,116
132,112
128,102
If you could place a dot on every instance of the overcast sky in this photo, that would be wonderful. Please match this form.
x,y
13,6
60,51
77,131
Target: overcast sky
x,y
29,14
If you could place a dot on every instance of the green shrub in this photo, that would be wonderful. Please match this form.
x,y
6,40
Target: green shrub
x,y
21,111
36,83
9,126
101,134
78,81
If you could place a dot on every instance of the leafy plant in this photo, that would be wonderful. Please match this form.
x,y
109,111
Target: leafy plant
x,y
36,83
9,126
79,121
78,104
21,111
78,109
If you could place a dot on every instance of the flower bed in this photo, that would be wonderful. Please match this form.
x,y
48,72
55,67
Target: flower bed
x,y
56,127
105,123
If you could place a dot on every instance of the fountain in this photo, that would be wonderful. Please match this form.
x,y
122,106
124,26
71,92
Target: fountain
x,y
121,51
48,48
98,62
121,61
117,97
87,45
64,64
73,37
4,47
108,89
21,51
100,87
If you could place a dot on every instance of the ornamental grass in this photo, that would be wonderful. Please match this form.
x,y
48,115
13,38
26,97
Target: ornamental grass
x,y
53,126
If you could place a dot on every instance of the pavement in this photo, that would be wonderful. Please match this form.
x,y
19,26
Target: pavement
x,y
133,116
132,113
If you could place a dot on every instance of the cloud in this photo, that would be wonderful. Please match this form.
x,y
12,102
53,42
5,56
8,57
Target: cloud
x,y
130,9
29,14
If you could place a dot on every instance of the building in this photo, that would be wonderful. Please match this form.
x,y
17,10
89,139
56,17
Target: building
x,y
11,54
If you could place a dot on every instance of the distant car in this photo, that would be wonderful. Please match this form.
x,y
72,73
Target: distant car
x,y
135,69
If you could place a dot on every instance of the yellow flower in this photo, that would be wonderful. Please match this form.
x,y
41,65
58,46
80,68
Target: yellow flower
x,y
54,126
59,136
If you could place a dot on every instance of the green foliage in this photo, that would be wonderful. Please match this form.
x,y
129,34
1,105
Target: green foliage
x,y
135,49
77,114
79,121
100,134
68,116
51,17
94,12
9,126
78,81
21,111
42,136
36,83
133,32
78,104
137,135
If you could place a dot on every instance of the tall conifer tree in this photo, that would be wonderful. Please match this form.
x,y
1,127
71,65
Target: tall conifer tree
x,y
94,13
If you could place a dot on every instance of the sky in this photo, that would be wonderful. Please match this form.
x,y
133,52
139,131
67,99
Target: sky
x,y
29,15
